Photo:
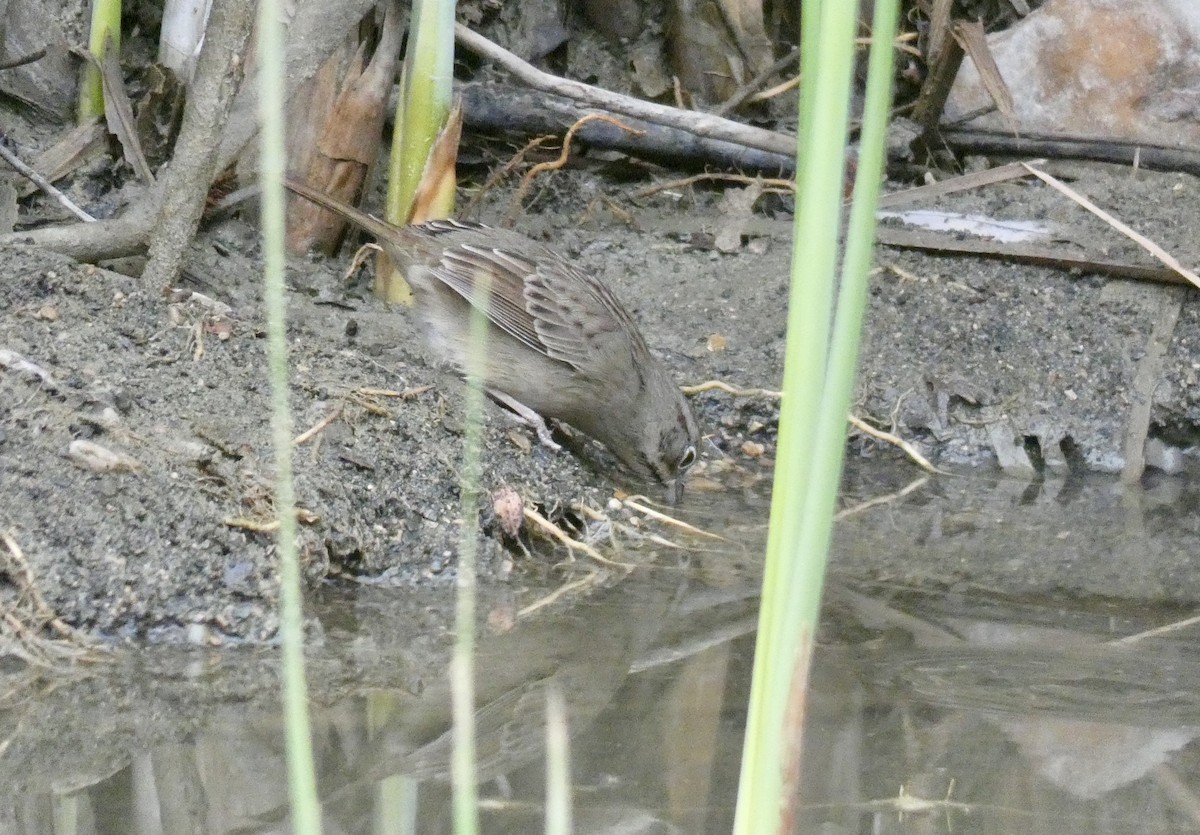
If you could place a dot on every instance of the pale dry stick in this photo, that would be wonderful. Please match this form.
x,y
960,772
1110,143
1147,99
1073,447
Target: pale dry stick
x,y
360,257
901,273
361,397
368,406
572,544
904,803
910,803
702,124
307,435
628,530
558,593
1165,629
632,503
178,295
901,43
778,90
621,214
717,385
770,185
895,440
29,585
555,164
887,437
42,183
404,394
247,523
654,538
963,182
862,507
13,63
677,90
1145,243
744,92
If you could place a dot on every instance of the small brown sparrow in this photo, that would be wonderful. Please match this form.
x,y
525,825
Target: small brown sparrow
x,y
559,343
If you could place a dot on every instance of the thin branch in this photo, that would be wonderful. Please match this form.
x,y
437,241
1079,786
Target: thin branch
x,y
41,182
698,123
23,60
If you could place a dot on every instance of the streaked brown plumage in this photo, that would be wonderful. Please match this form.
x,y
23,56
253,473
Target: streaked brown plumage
x,y
560,343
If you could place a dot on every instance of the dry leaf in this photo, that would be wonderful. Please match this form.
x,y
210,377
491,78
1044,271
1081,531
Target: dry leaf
x,y
736,207
337,128
509,510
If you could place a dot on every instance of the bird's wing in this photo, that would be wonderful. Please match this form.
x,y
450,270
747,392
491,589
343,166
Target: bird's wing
x,y
467,268
575,317
544,302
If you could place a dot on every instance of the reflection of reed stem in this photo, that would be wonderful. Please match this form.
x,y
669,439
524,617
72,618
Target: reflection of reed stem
x,y
462,682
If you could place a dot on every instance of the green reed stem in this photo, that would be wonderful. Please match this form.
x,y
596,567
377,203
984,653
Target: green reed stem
x,y
426,88
106,23
302,781
817,389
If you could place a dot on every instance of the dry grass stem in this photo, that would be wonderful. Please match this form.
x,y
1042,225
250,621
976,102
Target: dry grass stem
x,y
403,394
591,578
1141,240
633,504
503,171
360,257
24,626
628,530
778,90
265,525
1165,629
953,185
42,183
895,440
552,165
572,545
718,385
862,507
309,434
769,185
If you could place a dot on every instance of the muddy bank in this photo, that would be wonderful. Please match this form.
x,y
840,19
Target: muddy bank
x,y
966,356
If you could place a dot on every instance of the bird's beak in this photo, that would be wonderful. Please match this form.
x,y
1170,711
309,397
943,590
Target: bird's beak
x,y
675,490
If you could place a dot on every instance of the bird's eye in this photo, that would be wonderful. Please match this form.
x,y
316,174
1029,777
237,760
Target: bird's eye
x,y
688,458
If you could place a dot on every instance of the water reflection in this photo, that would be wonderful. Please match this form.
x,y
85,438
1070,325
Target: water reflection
x,y
957,688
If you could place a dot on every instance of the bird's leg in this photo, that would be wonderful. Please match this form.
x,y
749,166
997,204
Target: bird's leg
x,y
529,416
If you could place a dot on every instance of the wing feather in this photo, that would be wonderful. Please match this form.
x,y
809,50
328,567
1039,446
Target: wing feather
x,y
539,299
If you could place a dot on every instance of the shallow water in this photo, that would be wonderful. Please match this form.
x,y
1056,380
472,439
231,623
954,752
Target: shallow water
x,y
972,676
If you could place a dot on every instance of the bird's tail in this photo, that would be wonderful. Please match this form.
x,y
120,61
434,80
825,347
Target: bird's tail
x,y
368,223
